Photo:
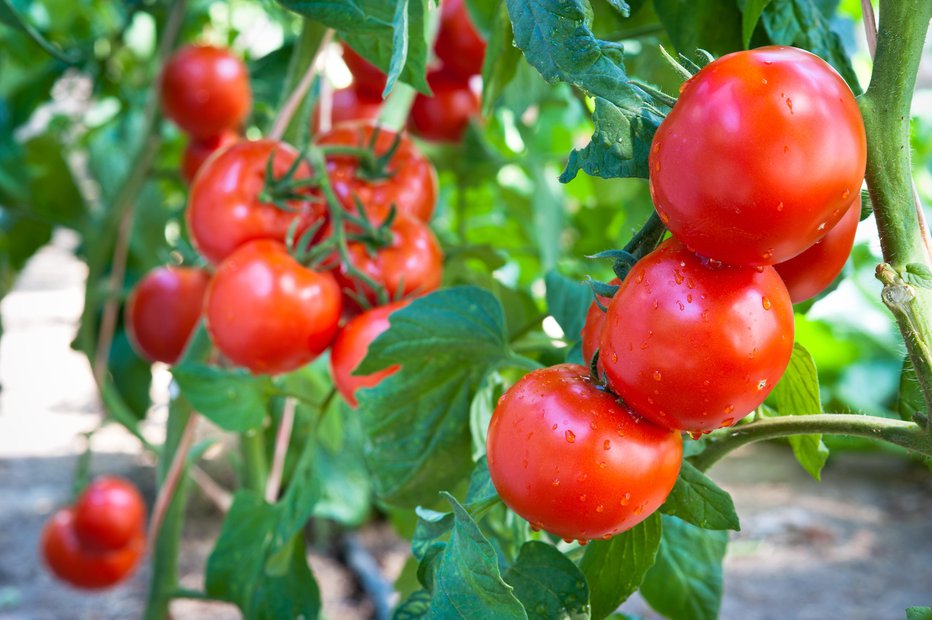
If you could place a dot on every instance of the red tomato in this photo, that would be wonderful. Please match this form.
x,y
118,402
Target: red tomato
x,y
351,346
696,346
591,332
163,310
197,151
444,116
109,514
808,274
86,568
458,46
408,181
205,90
760,156
267,312
225,209
411,265
348,105
368,79
572,460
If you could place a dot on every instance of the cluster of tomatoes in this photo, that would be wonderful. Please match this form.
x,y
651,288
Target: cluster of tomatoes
x,y
98,541
756,172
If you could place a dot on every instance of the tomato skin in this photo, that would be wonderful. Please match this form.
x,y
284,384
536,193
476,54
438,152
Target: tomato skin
x,y
762,153
162,311
459,47
808,274
368,79
109,514
205,90
348,105
573,460
196,152
444,116
591,332
267,312
224,208
351,346
411,184
86,568
696,347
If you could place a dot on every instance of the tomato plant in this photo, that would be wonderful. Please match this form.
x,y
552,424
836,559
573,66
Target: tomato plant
x,y
109,514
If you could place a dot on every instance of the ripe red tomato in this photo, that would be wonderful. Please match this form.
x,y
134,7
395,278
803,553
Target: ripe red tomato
x,y
82,567
760,156
163,310
696,346
109,514
444,116
267,312
348,105
459,47
351,346
205,90
411,265
591,332
573,460
225,209
368,79
408,181
808,274
196,152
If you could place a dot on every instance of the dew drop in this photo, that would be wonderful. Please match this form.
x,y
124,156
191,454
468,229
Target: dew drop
x,y
581,477
606,536
657,167
761,384
638,509
689,298
607,444
600,508
656,147
570,436
765,301
846,193
556,482
678,277
764,81
554,427
680,305
729,408
582,497
767,255
621,433
601,464
639,277
656,304
821,227
657,376
705,315
593,425
644,345
728,422
625,500
614,357
706,383
789,104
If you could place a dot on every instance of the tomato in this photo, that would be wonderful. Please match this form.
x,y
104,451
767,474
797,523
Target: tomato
x,y
694,345
408,180
225,209
351,346
572,460
109,514
196,152
368,79
444,116
163,310
267,312
411,265
205,90
82,567
760,156
348,105
808,274
591,332
459,47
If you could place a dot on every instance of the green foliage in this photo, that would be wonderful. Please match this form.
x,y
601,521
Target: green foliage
x,y
696,499
548,584
234,399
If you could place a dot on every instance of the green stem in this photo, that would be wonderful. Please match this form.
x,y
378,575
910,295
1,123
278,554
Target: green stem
x,y
885,107
255,460
305,51
904,434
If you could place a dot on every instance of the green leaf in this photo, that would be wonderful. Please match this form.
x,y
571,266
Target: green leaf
x,y
11,18
696,499
234,400
711,25
548,584
415,607
919,613
686,581
615,568
751,10
54,196
501,60
797,393
417,420
919,275
339,464
568,302
621,6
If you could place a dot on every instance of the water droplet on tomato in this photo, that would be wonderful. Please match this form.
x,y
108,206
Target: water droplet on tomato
x,y
601,464
582,497
570,436
556,482
554,427
625,499
764,81
821,226
600,508
607,444
789,104
728,422
765,301
761,384
614,357
845,194
606,536
689,298
729,408
639,509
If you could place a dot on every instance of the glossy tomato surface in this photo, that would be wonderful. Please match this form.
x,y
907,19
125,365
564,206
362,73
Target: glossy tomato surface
x,y
162,311
81,567
591,333
225,210
351,346
810,273
761,155
694,346
459,47
572,460
444,116
347,105
267,312
197,151
407,181
109,514
368,79
205,90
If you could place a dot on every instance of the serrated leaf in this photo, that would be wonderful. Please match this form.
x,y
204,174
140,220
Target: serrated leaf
x,y
501,60
234,400
797,393
686,581
568,302
696,499
480,488
615,568
548,584
919,275
711,25
751,11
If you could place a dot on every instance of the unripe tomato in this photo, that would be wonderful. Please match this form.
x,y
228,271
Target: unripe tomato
x,y
109,514
459,47
86,568
267,312
196,152
347,105
591,333
761,155
696,346
808,274
205,90
444,116
368,79
351,346
573,460
163,310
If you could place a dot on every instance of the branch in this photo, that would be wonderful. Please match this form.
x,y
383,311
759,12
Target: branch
x,y
297,95
282,438
167,490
